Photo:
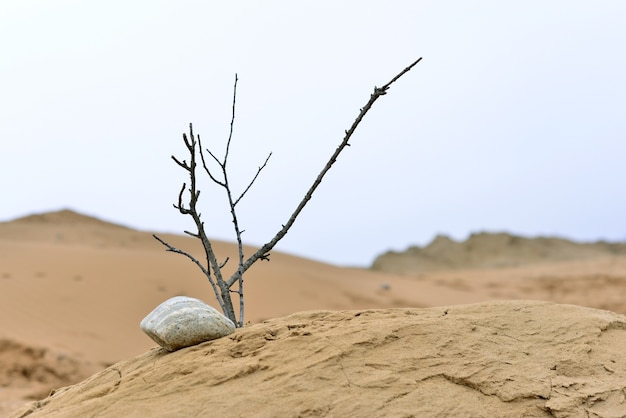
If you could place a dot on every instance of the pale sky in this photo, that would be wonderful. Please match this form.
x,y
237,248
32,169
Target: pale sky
x,y
514,121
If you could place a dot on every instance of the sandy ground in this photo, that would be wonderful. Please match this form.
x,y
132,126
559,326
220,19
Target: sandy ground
x,y
513,359
74,289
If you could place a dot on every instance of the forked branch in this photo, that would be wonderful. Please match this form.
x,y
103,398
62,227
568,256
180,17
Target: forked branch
x,y
263,252
212,269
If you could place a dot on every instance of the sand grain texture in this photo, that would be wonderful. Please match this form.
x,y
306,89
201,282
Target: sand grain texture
x,y
496,359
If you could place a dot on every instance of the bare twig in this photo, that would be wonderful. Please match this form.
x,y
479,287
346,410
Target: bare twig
x,y
253,180
196,262
239,273
232,120
215,180
220,286
224,183
263,252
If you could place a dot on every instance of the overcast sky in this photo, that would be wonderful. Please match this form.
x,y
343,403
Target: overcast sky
x,y
515,120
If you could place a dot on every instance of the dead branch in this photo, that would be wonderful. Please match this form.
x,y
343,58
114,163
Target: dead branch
x,y
197,263
253,179
220,286
263,252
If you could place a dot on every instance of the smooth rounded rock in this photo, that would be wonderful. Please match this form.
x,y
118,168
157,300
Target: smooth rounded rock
x,y
183,321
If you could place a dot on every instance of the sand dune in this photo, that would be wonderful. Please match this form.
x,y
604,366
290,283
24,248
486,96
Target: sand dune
x,y
70,278
75,288
498,359
488,250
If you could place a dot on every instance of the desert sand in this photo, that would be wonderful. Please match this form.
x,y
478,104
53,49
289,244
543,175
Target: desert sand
x,y
73,290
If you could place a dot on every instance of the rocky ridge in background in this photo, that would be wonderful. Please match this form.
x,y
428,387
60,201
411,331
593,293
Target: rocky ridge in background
x,y
487,250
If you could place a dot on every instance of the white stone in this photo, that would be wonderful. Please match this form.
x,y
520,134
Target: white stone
x,y
182,322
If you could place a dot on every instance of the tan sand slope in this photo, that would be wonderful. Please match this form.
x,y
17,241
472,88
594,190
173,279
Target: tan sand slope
x,y
75,288
505,359
78,284
487,250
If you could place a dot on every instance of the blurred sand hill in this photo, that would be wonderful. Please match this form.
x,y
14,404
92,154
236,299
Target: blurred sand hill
x,y
73,290
485,250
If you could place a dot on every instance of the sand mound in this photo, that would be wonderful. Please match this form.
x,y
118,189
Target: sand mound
x,y
69,228
21,362
28,372
77,287
492,359
80,286
486,250
63,217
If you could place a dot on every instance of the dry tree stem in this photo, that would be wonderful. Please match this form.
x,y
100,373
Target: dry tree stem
x,y
196,262
220,286
263,252
238,275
